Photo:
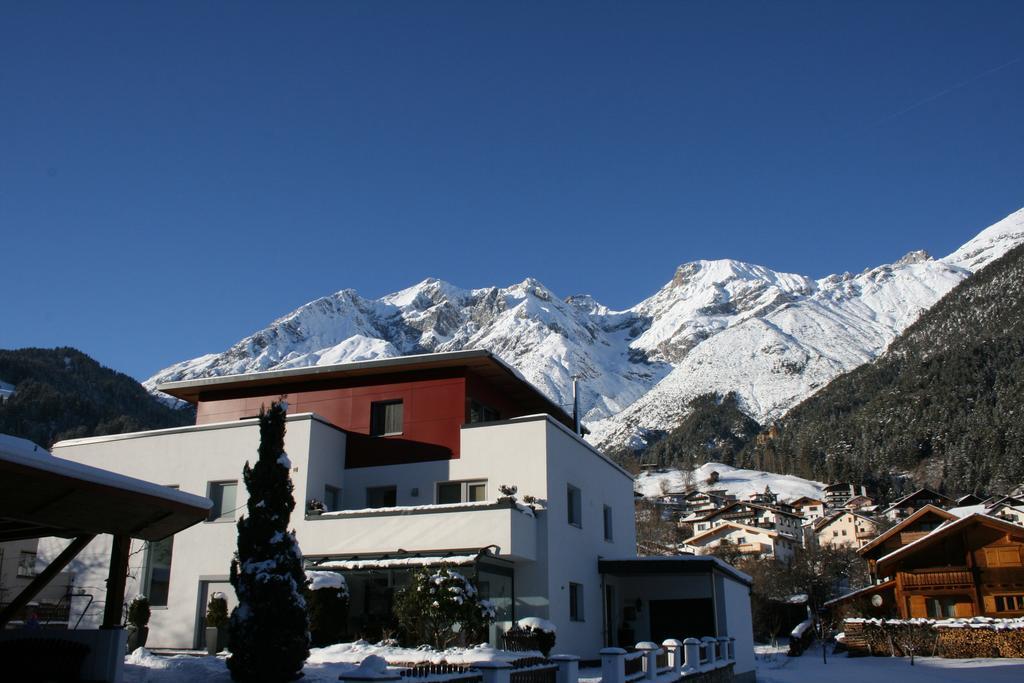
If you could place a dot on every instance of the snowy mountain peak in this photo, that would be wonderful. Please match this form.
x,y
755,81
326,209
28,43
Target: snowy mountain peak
x,y
717,326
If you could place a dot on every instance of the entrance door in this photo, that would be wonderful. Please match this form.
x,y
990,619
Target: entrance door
x,y
694,618
206,589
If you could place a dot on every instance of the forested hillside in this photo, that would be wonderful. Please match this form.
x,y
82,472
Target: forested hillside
x,y
63,393
943,406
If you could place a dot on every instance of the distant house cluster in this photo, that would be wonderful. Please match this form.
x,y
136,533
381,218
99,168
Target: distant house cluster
x,y
761,524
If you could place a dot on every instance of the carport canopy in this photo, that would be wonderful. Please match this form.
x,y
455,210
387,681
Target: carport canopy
x,y
42,495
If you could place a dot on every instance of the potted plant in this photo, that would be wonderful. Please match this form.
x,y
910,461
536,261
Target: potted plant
x,y
216,624
315,507
138,622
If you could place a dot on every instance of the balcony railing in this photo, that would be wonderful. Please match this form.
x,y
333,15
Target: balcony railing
x,y
424,528
952,577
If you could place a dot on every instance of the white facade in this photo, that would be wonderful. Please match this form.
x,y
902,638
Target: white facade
x,y
846,528
537,454
744,539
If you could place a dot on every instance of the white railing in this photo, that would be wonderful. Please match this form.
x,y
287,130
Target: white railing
x,y
672,661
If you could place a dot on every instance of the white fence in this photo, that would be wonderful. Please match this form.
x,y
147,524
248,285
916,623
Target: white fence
x,y
672,661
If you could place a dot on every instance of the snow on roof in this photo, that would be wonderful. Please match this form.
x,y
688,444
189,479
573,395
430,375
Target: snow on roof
x,y
397,562
27,454
735,526
443,507
967,510
948,524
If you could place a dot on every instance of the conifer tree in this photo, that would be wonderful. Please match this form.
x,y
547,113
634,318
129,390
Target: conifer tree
x,y
269,629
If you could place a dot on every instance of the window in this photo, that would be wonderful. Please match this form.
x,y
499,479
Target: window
x,y
941,608
381,497
575,506
386,418
478,412
607,523
1009,603
741,540
223,495
576,602
461,491
27,564
332,498
157,576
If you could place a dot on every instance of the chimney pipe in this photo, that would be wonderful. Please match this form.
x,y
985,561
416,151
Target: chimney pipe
x,y
576,406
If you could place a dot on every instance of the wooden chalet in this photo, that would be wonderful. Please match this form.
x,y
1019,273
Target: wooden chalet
x,y
963,567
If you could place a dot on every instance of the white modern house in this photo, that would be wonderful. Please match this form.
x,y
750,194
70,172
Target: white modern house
x,y
399,463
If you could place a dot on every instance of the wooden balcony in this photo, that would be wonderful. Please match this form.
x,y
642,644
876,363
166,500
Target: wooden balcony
x,y
952,577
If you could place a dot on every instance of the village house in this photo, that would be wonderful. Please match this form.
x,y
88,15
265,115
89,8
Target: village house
x,y
836,495
809,508
937,564
907,505
416,461
743,539
751,527
844,528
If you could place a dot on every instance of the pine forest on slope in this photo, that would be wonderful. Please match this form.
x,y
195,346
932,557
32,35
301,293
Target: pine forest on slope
x,y
944,405
64,394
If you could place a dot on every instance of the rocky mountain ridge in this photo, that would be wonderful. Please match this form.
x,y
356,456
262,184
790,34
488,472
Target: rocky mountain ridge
x,y
717,326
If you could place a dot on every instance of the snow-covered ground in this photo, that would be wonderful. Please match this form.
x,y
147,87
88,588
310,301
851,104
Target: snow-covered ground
x,y
737,481
324,664
773,666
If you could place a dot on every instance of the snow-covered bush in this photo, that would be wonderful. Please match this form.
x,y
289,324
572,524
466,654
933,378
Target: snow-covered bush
x,y
441,607
138,612
327,602
269,630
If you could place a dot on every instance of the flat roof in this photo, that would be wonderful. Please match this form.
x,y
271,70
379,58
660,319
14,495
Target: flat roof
x,y
481,361
43,495
676,564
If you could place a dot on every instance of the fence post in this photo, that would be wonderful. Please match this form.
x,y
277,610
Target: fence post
x,y
732,649
710,644
674,648
613,665
494,672
568,668
723,648
691,656
650,659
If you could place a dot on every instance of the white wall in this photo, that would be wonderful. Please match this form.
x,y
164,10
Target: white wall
x,y
537,454
573,552
740,626
188,458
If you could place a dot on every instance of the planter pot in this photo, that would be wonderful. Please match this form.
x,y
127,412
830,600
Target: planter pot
x,y
216,639
137,637
212,641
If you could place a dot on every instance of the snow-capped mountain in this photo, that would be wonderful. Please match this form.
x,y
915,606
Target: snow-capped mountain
x,y
773,338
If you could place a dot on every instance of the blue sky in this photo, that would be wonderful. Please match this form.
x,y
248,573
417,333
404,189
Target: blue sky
x,y
173,176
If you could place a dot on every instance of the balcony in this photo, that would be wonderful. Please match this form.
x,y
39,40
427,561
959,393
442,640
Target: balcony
x,y
423,529
953,577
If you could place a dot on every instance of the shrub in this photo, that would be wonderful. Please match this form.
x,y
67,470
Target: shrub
x,y
217,611
440,606
327,601
138,612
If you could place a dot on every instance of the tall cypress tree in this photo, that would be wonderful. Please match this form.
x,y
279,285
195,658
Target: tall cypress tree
x,y
269,628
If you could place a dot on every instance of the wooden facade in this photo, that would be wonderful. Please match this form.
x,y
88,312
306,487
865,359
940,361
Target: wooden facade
x,y
970,566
